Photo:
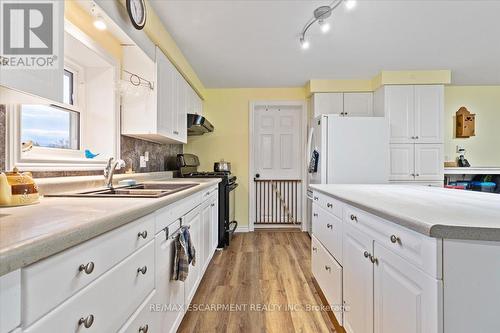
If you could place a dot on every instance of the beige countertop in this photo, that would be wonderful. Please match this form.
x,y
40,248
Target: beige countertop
x,y
31,233
432,211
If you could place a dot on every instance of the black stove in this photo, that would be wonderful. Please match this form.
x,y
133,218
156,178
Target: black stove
x,y
188,165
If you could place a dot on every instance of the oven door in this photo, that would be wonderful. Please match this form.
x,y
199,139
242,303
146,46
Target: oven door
x,y
231,206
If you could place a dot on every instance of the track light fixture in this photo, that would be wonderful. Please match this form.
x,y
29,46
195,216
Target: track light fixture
x,y
320,15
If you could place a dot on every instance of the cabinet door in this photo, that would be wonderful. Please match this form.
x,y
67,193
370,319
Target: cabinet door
x,y
206,214
429,112
402,165
167,291
328,103
191,283
405,299
165,91
46,82
358,104
400,107
358,281
215,223
429,164
181,119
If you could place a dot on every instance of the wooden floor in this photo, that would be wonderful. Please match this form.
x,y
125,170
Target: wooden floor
x,y
260,269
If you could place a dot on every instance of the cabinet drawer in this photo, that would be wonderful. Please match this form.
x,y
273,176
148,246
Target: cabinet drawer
x,y
331,205
110,300
143,320
328,229
51,281
328,274
10,301
422,251
169,214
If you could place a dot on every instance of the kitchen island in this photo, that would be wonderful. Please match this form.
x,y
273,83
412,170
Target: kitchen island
x,y
393,258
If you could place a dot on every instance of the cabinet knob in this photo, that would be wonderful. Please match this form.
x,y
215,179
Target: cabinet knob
x,y
87,321
329,205
212,205
416,137
315,249
144,329
315,198
329,226
143,234
395,239
87,268
417,174
413,175
366,254
315,214
373,260
176,132
142,270
354,218
328,268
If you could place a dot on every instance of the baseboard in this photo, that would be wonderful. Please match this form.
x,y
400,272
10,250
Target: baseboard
x,y
243,228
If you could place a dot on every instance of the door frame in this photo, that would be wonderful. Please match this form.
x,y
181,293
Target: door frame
x,y
251,153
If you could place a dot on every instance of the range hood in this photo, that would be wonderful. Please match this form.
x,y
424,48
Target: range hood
x,y
198,125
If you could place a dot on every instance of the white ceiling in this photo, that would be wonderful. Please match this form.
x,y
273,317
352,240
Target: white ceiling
x,y
254,43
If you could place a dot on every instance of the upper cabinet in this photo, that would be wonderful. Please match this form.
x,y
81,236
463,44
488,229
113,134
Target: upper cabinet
x,y
43,53
415,113
158,112
344,104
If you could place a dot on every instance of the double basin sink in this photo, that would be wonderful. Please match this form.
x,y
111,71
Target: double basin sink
x,y
148,190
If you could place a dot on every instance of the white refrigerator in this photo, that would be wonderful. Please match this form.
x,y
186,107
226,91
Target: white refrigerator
x,y
347,150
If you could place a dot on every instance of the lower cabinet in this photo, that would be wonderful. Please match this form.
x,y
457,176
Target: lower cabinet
x,y
143,320
193,220
358,281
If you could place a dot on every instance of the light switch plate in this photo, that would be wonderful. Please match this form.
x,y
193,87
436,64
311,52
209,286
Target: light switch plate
x,y
142,162
146,156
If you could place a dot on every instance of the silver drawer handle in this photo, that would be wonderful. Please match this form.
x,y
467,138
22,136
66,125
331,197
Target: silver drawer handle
x,y
88,268
366,254
395,239
354,218
329,205
144,329
87,322
142,270
315,249
329,226
315,198
328,268
143,234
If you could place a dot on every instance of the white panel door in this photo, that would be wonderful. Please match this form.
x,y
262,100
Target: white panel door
x,y
46,82
429,164
400,107
168,291
402,164
358,281
405,299
277,142
429,113
327,103
358,104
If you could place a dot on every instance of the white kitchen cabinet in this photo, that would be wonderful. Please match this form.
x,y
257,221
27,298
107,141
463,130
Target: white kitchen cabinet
x,y
158,114
405,298
143,320
400,108
328,229
415,113
194,221
43,82
358,104
214,210
402,165
10,301
168,291
206,221
429,113
327,103
416,162
357,281
429,162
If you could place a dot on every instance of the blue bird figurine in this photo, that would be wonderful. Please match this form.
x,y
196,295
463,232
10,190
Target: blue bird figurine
x,y
89,154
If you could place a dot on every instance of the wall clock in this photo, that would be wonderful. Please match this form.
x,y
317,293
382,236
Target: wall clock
x,y
137,12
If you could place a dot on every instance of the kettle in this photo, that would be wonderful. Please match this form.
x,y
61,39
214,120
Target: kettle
x,y
17,189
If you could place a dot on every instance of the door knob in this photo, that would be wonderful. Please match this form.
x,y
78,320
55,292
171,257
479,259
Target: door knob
x,y
257,175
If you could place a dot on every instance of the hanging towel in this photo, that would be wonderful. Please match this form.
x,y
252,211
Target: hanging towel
x,y
184,255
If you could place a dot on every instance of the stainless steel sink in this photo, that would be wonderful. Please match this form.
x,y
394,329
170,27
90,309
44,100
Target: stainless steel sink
x,y
147,190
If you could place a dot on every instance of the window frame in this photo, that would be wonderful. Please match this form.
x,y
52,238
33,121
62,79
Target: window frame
x,y
58,159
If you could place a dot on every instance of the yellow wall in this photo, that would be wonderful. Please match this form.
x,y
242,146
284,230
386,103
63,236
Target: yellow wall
x,y
228,110
484,148
82,19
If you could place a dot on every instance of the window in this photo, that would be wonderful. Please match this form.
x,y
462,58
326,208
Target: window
x,y
68,96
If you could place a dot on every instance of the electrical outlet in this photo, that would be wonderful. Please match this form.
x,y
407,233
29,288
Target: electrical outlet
x,y
142,162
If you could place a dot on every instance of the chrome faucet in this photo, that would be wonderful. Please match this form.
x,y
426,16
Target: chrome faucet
x,y
109,171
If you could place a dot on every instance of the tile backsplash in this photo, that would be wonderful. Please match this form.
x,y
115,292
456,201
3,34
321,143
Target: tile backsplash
x,y
161,156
